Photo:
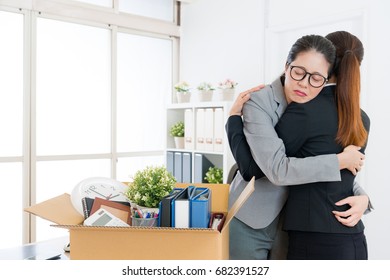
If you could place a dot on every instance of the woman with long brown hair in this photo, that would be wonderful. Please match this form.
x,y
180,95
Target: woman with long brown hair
x,y
307,131
326,124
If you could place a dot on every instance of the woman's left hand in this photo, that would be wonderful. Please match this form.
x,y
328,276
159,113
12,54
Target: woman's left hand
x,y
241,99
352,216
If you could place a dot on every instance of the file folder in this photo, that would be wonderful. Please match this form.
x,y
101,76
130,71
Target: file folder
x,y
165,208
170,163
218,130
181,209
189,138
178,165
209,129
200,141
201,166
200,208
187,168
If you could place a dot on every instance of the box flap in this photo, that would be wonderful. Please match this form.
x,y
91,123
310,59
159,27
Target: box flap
x,y
249,189
58,210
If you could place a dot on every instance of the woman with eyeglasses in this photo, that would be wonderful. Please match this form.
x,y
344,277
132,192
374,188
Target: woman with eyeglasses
x,y
309,127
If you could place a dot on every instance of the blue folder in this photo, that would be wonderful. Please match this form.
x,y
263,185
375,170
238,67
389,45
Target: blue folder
x,y
200,208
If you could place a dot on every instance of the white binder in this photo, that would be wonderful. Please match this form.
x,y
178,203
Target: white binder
x,y
200,139
209,129
219,130
188,130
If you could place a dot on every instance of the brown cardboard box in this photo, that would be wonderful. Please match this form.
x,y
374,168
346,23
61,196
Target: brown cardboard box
x,y
141,243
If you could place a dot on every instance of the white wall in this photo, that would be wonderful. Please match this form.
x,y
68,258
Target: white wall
x,y
222,39
378,153
226,39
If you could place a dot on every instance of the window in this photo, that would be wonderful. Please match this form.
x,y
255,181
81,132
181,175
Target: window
x,y
158,9
143,85
11,126
144,82
75,102
11,86
103,3
73,78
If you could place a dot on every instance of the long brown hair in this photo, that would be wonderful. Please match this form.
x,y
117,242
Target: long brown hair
x,y
349,55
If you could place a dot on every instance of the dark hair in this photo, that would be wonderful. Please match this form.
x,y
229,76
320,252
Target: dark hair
x,y
349,55
313,42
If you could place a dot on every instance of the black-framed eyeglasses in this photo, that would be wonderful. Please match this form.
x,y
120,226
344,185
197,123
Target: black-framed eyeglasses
x,y
298,73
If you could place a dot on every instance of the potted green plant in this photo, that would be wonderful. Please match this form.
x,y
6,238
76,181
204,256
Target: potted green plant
x,y
177,131
214,175
149,186
183,92
205,91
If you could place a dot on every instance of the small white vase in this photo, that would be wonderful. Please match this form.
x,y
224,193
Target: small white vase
x,y
205,95
227,94
179,142
183,97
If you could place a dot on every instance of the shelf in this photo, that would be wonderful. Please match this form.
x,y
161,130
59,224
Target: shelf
x,y
210,104
195,151
219,153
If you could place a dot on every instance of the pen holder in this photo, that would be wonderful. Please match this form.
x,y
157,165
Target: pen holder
x,y
144,222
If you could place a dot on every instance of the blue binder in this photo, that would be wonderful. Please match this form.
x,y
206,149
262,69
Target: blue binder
x,y
187,167
178,167
171,162
201,166
200,208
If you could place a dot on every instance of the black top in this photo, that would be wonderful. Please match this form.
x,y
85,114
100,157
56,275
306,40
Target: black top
x,y
307,129
241,150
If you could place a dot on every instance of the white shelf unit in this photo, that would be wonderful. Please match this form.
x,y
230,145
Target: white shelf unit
x,y
222,159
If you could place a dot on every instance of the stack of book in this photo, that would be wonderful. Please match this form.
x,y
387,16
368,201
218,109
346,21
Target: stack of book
x,y
119,209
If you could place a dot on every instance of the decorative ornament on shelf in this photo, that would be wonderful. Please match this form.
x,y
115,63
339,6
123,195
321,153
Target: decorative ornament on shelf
x,y
205,91
149,186
214,175
227,89
177,131
183,92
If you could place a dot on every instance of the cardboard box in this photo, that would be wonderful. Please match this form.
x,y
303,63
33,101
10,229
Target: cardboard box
x,y
142,243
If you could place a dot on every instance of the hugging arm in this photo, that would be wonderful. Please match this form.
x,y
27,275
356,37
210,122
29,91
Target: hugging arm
x,y
290,166
360,204
294,140
240,149
269,151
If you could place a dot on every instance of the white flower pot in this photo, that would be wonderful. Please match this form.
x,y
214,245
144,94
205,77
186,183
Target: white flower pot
x,y
227,94
183,97
205,95
179,142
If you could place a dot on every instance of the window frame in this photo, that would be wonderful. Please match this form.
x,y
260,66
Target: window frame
x,y
86,14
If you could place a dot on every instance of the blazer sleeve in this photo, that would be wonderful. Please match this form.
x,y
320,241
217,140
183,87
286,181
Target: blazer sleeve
x,y
358,190
241,150
269,151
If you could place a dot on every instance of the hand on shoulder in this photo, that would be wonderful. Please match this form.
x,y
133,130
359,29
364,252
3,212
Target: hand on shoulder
x,y
243,97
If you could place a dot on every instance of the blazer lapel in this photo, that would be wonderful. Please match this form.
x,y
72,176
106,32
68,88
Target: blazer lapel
x,y
279,97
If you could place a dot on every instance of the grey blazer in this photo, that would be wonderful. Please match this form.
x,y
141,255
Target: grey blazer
x,y
261,113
